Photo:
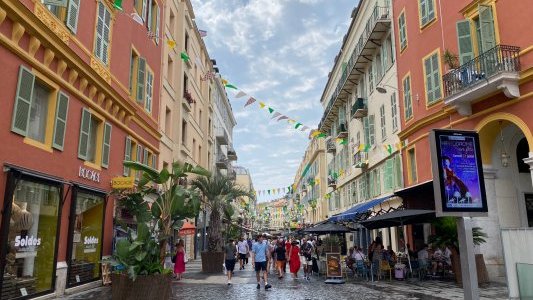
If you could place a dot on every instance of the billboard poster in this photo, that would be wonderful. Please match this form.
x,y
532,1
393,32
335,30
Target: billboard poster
x,y
333,262
457,173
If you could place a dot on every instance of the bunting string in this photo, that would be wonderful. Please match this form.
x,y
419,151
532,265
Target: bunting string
x,y
274,191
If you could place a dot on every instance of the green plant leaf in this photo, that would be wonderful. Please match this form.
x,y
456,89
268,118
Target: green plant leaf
x,y
134,245
140,256
163,177
122,249
152,173
143,232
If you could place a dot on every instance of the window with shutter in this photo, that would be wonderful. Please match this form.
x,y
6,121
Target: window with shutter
x,y
412,165
402,30
157,29
367,130
394,112
149,17
371,78
60,121
84,134
426,12
154,161
141,79
433,78
103,31
486,20
407,101
383,124
145,157
21,111
371,130
149,91
106,148
127,155
144,8
72,15
464,40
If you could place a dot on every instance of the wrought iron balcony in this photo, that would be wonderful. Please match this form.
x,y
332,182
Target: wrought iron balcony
x,y
232,155
375,29
221,136
359,108
330,146
361,159
222,162
493,70
332,183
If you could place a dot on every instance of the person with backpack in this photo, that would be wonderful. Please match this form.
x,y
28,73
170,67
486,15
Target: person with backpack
x,y
305,253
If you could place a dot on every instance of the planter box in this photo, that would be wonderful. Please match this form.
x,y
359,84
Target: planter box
x,y
155,286
212,262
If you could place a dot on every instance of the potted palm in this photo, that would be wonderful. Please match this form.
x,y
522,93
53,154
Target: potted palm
x,y
218,194
140,257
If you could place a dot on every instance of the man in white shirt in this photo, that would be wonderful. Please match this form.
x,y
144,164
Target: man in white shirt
x,y
243,249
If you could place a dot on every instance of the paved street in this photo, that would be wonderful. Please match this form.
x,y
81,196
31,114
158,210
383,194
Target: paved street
x,y
197,285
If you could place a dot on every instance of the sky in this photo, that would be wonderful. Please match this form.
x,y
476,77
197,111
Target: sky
x,y
280,52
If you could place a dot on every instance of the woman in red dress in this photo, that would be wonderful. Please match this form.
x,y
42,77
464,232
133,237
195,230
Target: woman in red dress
x,y
179,265
294,259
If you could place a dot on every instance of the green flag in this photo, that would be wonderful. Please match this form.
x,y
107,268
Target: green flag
x,y
231,86
184,56
307,167
297,125
118,4
270,109
322,135
343,142
367,148
389,149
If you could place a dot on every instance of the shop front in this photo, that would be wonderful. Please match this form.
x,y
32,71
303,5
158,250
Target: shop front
x,y
29,234
85,235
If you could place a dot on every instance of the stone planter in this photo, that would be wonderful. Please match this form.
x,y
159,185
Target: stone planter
x,y
212,262
155,286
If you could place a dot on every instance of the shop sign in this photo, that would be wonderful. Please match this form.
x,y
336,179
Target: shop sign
x,y
333,265
27,241
89,174
457,174
90,243
123,182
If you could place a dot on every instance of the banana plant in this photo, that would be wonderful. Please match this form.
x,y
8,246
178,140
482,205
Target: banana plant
x,y
173,201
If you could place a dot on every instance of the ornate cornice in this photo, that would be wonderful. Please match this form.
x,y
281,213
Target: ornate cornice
x,y
51,22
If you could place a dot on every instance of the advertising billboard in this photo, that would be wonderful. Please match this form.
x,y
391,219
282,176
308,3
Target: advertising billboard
x,y
457,173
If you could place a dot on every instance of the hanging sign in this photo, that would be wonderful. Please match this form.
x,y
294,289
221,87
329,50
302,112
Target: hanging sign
x,y
123,182
457,174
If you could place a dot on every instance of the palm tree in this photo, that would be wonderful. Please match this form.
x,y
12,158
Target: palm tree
x,y
173,201
219,192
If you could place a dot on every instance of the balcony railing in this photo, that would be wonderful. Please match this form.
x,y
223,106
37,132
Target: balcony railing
x,y
379,15
232,155
222,162
501,58
330,146
221,136
359,108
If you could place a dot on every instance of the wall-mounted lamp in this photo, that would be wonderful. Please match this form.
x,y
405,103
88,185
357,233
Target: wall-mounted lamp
x,y
504,156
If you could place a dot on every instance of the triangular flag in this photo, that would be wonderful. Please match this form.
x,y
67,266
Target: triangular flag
x,y
361,147
317,180
231,86
118,5
367,147
240,94
389,149
385,147
304,128
171,44
321,135
315,133
282,118
270,109
269,192
344,142
276,114
224,81
262,104
137,18
297,125
291,121
250,101
184,56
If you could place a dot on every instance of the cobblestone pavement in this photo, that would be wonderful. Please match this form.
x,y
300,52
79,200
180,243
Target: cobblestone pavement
x,y
197,285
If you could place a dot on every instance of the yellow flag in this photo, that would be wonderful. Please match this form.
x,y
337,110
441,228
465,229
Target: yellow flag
x,y
224,81
361,147
262,104
315,133
171,44
291,121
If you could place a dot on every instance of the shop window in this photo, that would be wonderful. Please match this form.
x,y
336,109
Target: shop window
x,y
40,111
95,139
67,14
30,238
87,217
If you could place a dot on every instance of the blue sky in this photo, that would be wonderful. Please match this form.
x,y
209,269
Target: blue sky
x,y
279,52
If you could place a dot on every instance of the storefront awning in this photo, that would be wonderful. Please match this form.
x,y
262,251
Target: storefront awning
x,y
352,213
419,196
399,218
187,229
326,228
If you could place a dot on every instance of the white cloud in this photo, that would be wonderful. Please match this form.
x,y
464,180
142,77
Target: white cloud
x,y
248,147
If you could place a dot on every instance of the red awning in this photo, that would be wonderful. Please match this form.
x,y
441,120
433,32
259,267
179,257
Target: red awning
x,y
187,229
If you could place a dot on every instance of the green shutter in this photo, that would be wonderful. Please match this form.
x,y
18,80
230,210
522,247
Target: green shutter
x,y
141,79
84,134
430,10
371,129
154,161
72,15
132,64
464,41
423,12
145,157
61,121
486,20
149,91
99,31
149,18
367,130
21,110
436,77
402,30
127,155
157,25
106,147
143,12
407,98
106,32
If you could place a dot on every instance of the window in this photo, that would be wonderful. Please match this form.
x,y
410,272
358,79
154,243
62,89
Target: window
x,y
152,21
484,34
378,67
95,139
426,11
371,130
103,32
407,101
394,112
388,175
385,63
170,70
141,81
141,7
172,22
383,124
39,110
402,29
200,117
186,43
138,158
464,41
168,121
185,83
411,160
66,14
194,149
149,91
366,130
199,155
371,77
184,132
432,78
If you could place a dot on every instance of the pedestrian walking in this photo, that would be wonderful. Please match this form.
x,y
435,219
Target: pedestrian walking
x,y
294,259
280,258
307,251
230,255
249,241
259,260
243,249
179,264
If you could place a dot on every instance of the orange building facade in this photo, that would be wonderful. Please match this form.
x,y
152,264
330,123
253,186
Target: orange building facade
x,y
80,88
468,65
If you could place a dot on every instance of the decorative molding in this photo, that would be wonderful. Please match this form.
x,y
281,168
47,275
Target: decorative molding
x,y
48,57
34,45
3,14
17,32
83,85
72,76
61,67
92,92
51,22
100,69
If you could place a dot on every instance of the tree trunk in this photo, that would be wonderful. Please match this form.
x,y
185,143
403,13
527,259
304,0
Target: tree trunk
x,y
213,232
163,251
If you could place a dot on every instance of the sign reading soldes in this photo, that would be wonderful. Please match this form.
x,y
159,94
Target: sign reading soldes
x,y
27,241
90,240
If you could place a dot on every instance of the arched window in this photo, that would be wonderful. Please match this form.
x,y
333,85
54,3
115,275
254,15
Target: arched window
x,y
522,151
